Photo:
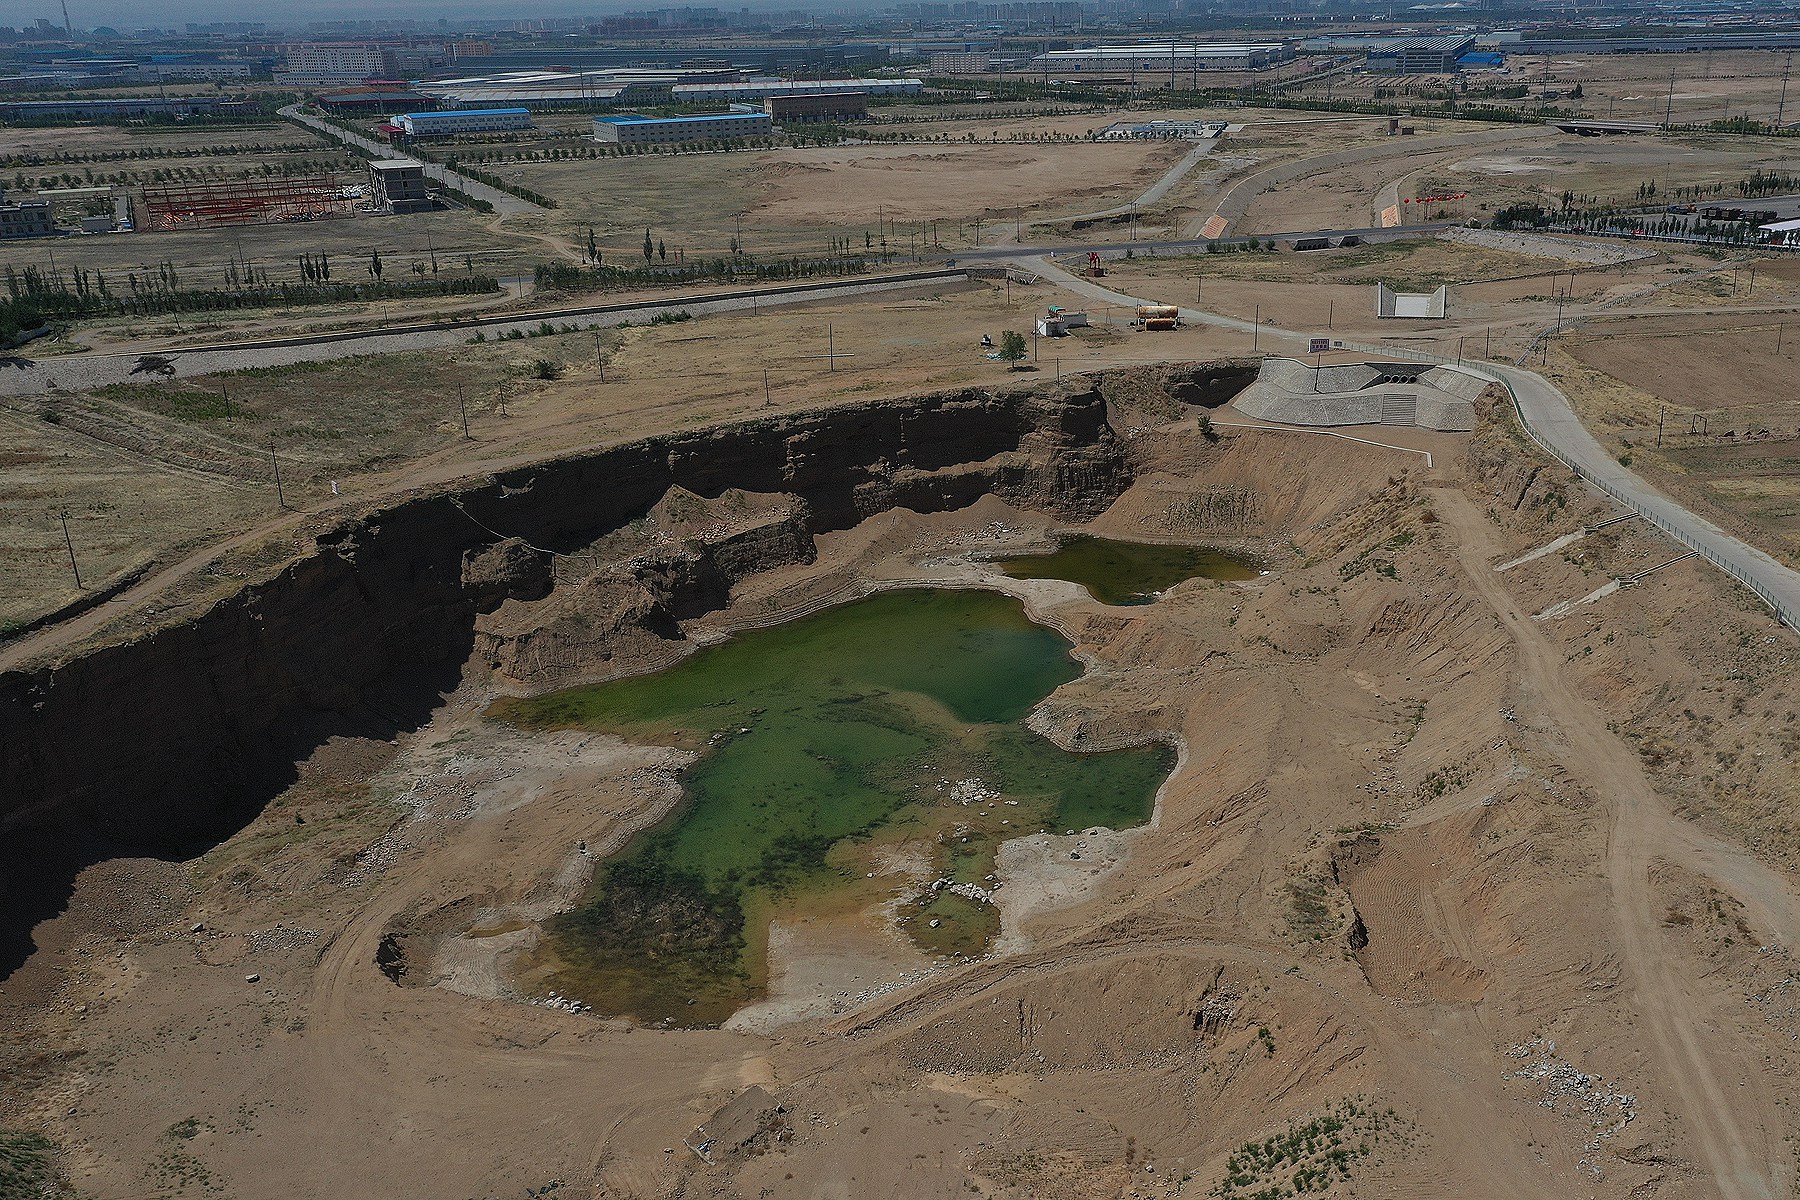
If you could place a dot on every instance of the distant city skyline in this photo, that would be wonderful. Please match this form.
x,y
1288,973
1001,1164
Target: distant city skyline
x,y
134,14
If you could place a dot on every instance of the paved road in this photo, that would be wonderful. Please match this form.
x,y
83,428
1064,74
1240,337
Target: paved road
x,y
503,202
1551,418
88,371
1151,195
79,372
1182,245
1236,200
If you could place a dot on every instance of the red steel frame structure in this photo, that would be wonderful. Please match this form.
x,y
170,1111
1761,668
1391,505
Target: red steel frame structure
x,y
248,202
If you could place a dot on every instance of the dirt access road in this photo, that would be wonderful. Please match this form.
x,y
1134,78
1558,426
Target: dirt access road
x,y
1551,418
1738,1130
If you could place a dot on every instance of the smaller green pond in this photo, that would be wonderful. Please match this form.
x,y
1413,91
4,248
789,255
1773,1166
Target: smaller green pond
x,y
1126,572
893,719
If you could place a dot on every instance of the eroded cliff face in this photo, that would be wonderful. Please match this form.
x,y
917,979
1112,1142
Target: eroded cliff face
x,y
167,744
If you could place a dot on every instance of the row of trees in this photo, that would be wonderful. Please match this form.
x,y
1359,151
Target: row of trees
x,y
494,181
658,271
147,153
1612,221
35,297
268,170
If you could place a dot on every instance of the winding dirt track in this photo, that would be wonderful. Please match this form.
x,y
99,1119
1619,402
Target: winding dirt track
x,y
1737,1132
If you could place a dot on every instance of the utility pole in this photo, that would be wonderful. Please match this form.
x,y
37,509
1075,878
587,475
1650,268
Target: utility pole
x,y
768,401
275,464
1256,329
831,347
462,403
70,543
1781,106
599,359
1660,410
1669,108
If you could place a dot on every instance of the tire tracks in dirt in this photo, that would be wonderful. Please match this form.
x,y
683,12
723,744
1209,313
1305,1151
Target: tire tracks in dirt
x,y
1734,1135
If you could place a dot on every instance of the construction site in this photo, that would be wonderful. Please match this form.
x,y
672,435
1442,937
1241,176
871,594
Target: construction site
x,y
1131,676
249,202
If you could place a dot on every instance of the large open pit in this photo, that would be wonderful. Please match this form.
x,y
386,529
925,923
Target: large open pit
x,y
308,890
166,745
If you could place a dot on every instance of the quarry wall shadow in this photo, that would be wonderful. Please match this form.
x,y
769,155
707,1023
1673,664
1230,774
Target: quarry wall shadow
x,y
164,746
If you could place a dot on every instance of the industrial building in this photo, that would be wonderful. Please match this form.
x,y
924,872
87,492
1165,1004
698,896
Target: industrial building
x,y
247,202
117,106
397,185
960,63
312,64
381,95
1779,233
28,218
629,129
758,90
461,121
1163,58
1420,56
568,89
826,106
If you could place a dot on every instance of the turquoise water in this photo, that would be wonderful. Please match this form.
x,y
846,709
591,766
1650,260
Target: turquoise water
x,y
816,740
1126,572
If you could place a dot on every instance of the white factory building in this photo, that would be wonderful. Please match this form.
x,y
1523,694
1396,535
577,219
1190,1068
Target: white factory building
x,y
563,89
762,89
632,86
1163,58
463,120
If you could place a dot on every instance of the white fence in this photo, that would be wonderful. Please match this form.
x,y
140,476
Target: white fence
x,y
1785,613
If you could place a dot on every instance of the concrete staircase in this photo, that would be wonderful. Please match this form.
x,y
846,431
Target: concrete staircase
x,y
1398,409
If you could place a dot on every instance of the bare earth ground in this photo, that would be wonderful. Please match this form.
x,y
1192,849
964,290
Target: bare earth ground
x,y
1421,871
1611,169
1722,393
373,425
1510,899
377,425
1626,87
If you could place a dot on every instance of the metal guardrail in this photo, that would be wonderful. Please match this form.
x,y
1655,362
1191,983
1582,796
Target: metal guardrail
x,y
1784,613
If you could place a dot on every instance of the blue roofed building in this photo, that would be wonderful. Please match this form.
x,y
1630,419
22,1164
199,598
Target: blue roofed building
x,y
630,129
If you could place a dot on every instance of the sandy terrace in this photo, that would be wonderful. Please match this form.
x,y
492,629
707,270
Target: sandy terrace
x,y
1377,734
843,185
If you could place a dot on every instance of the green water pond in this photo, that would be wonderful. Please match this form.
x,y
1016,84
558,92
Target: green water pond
x,y
895,719
1125,573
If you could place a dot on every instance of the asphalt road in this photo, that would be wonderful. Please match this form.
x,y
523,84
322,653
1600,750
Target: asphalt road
x,y
85,372
503,202
1550,417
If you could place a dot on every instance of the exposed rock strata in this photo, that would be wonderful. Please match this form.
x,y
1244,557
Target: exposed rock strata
x,y
165,744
